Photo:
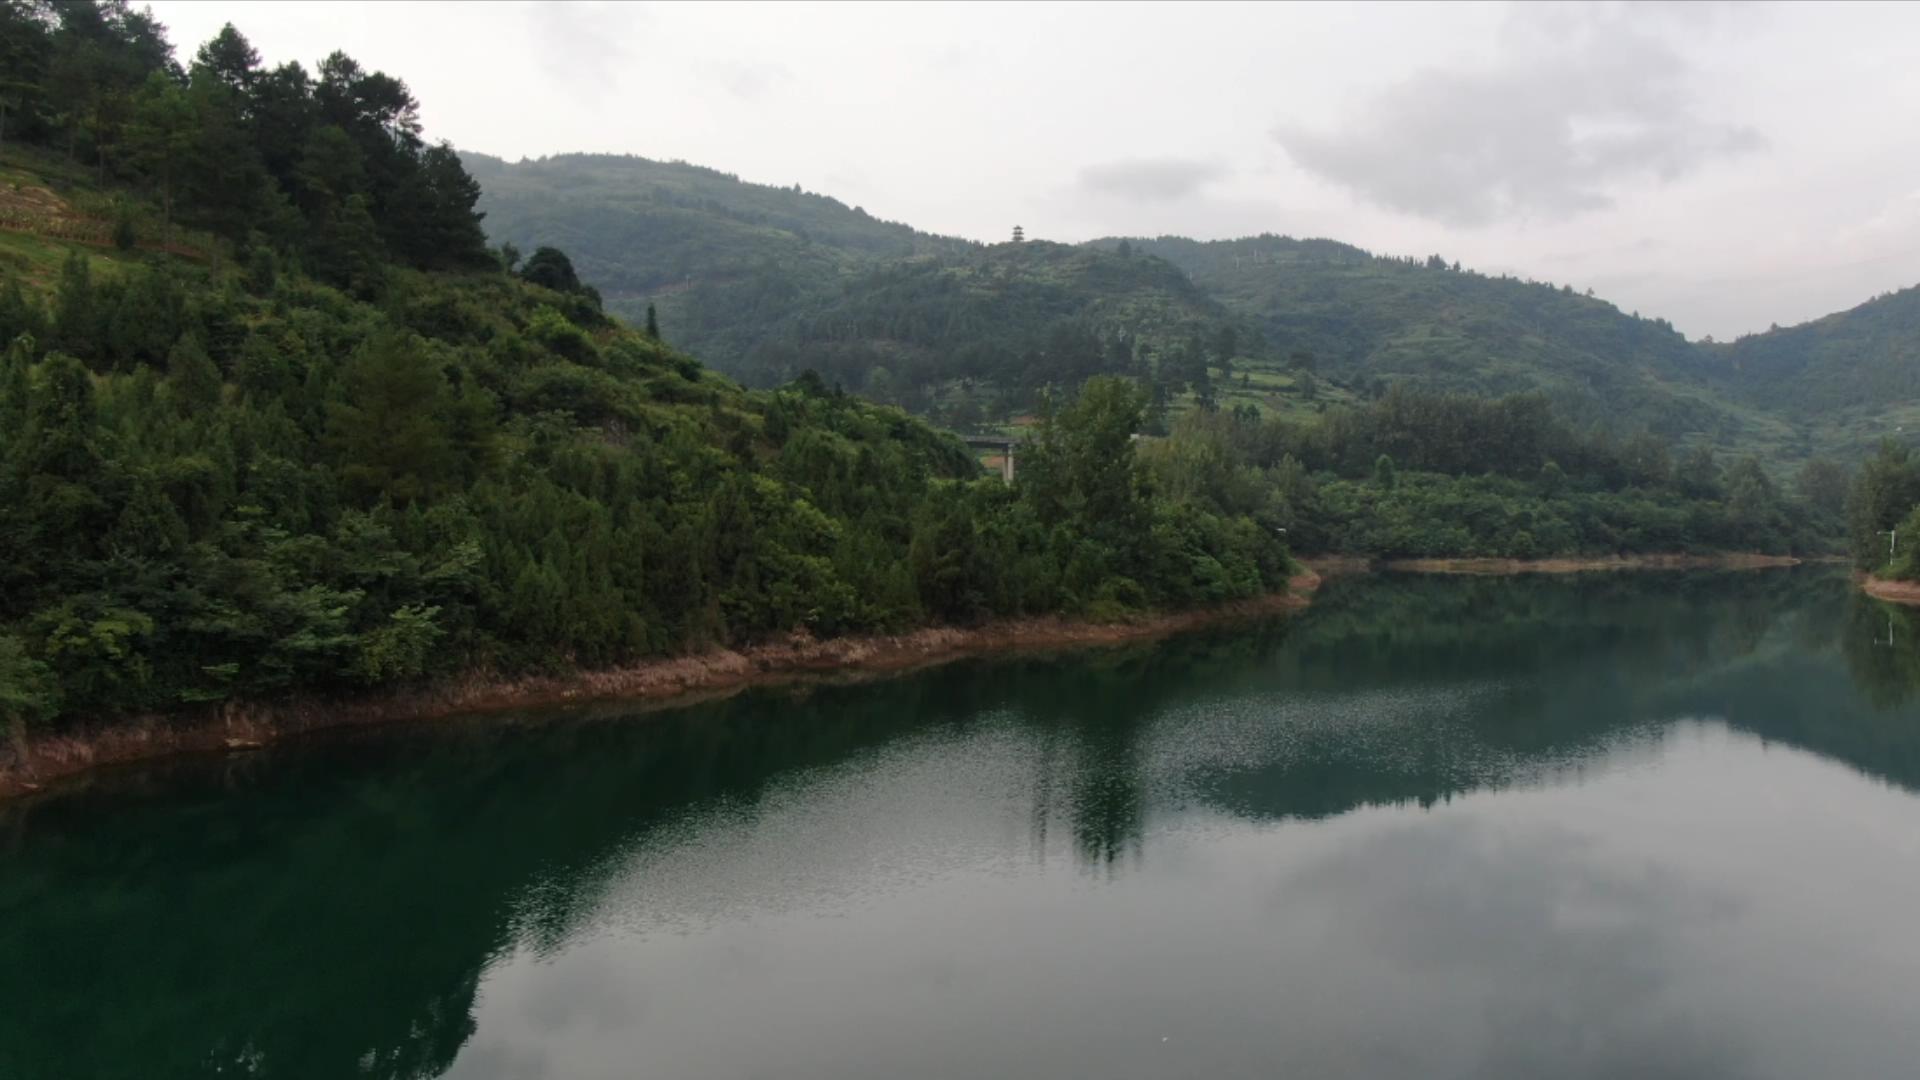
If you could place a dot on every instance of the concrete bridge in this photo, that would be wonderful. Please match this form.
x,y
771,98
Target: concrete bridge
x,y
995,442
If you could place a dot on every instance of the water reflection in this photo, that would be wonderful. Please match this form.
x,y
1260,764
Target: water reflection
x,y
332,909
1583,996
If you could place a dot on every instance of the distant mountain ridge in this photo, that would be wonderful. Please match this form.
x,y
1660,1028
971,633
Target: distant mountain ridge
x,y
1369,318
637,226
766,280
1852,377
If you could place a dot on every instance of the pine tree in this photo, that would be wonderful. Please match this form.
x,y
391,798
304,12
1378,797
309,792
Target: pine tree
x,y
159,135
77,321
193,381
14,365
549,268
229,57
389,429
653,323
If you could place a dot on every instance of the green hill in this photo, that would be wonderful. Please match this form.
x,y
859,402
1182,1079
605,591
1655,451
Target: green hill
x,y
768,281
275,422
979,334
1852,378
1369,320
641,230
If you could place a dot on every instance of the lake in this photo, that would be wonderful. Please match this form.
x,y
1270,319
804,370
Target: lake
x,y
1648,825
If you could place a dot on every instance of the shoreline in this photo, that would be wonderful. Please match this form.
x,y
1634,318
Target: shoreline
x,y
239,726
53,759
1906,593
1335,565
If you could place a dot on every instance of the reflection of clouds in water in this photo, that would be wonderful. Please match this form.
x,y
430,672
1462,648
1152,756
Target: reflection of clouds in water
x,y
821,840
1571,954
1290,755
1293,728
490,1058
1653,924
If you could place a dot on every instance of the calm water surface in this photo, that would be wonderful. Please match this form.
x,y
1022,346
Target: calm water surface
x,y
1648,826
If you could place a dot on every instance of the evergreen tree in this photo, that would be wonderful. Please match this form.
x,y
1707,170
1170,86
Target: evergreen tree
x,y
193,381
550,268
158,137
78,324
389,426
229,58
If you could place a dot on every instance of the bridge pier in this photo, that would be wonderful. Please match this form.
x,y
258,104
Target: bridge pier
x,y
995,442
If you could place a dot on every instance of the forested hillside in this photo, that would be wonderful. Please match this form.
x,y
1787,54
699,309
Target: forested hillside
x,y
1417,474
643,231
768,282
1371,320
765,282
1852,377
725,264
972,337
274,421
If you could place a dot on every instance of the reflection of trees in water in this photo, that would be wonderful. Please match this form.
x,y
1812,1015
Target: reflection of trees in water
x,y
334,918
1862,712
1882,643
329,910
1425,687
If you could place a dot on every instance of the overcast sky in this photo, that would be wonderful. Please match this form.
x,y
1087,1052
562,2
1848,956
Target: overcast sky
x,y
1726,166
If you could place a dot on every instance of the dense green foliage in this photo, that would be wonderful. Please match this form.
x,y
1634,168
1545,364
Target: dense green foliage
x,y
767,282
1852,378
1371,320
328,168
246,477
640,226
1427,475
982,335
1883,505
296,491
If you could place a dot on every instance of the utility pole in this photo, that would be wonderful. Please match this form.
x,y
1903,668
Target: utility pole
x,y
1891,535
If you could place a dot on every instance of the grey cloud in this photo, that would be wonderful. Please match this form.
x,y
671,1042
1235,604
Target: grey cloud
x,y
1573,951
1597,104
1150,179
585,43
749,80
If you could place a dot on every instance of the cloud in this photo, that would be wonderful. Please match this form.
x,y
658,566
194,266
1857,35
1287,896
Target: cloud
x,y
1150,179
1572,953
585,44
749,81
1590,103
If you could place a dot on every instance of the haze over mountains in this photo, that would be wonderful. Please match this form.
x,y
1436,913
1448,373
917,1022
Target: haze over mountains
x,y
766,282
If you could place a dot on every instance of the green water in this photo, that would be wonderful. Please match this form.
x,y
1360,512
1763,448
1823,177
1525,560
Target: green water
x,y
1646,826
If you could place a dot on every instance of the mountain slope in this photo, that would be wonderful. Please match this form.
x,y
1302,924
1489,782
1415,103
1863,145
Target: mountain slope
x,y
767,281
333,446
640,229
1368,319
985,330
1853,377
